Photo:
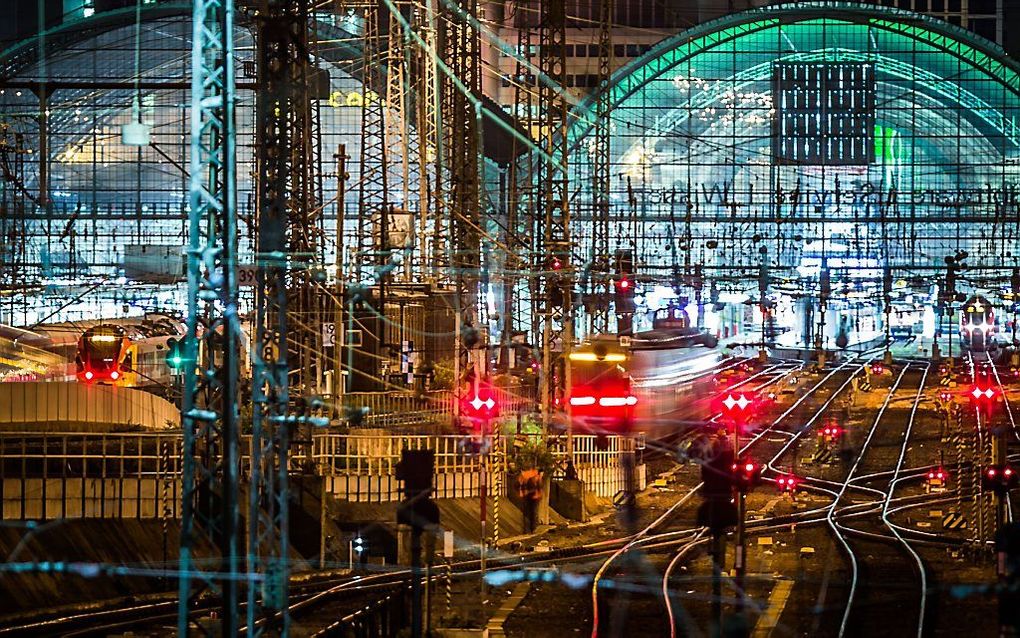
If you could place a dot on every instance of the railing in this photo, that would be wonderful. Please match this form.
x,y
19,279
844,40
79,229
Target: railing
x,y
94,475
137,475
363,467
399,408
409,408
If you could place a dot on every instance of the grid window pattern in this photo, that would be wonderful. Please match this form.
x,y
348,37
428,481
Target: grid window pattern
x,y
824,113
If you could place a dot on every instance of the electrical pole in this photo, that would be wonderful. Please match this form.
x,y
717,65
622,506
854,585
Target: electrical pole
x,y
600,175
373,184
210,481
286,285
339,332
558,291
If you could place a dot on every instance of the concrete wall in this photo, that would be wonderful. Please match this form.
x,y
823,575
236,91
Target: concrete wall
x,y
47,499
63,406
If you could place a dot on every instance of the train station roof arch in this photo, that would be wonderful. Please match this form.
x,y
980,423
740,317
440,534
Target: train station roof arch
x,y
736,118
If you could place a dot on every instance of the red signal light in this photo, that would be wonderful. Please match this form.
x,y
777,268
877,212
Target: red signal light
x,y
982,394
624,284
832,431
746,474
482,405
787,483
738,405
991,472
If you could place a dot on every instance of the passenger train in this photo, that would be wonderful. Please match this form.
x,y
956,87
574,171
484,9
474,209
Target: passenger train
x,y
130,354
649,382
979,326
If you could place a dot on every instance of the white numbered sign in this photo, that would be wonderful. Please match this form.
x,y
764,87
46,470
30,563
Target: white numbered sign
x,y
246,276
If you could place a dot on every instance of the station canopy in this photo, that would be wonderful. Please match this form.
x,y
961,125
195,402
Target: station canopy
x,y
851,133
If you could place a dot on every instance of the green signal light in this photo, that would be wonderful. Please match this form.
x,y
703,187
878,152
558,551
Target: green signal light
x,y
173,356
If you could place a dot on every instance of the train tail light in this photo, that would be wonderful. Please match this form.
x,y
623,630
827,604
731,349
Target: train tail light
x,y
89,375
618,402
114,375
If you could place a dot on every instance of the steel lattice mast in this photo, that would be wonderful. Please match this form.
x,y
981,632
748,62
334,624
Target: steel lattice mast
x,y
600,176
209,411
461,53
558,290
285,255
373,186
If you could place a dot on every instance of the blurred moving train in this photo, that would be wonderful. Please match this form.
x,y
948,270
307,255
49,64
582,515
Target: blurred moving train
x,y
650,384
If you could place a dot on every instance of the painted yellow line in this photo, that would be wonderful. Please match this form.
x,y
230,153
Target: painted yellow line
x,y
777,601
495,624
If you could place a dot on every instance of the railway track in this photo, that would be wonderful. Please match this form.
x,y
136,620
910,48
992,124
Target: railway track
x,y
880,596
864,521
643,538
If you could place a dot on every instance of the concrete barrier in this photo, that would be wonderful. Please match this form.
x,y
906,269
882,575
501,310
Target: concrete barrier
x,y
72,406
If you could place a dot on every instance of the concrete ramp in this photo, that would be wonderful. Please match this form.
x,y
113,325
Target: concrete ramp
x,y
78,407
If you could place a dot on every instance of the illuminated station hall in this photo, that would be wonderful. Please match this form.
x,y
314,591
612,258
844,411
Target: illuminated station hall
x,y
526,318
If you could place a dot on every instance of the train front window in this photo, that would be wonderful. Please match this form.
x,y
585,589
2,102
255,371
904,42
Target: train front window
x,y
101,353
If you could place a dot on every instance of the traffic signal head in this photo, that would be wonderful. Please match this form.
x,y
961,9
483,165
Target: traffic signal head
x,y
877,368
415,469
623,290
938,475
945,396
831,431
787,483
746,474
999,478
738,406
982,394
174,356
481,403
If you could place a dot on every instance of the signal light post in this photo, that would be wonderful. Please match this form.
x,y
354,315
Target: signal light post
x,y
480,408
984,398
744,475
416,469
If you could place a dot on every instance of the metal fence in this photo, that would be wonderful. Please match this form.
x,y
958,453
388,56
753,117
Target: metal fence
x,y
362,468
94,475
412,408
137,475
